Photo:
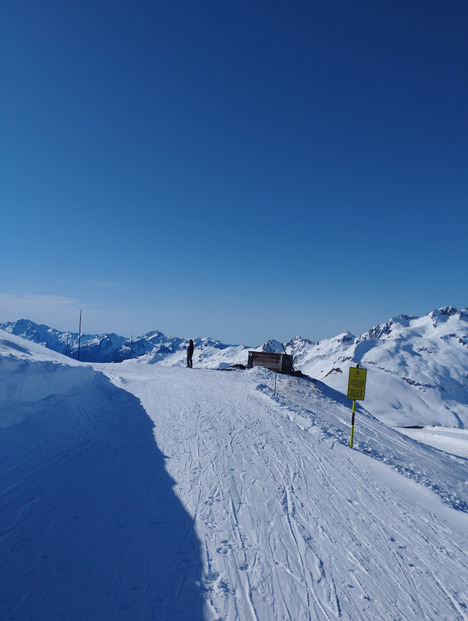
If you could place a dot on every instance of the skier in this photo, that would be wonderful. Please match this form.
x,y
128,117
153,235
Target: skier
x,y
190,354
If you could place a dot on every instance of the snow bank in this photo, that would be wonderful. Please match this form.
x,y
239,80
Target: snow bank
x,y
90,527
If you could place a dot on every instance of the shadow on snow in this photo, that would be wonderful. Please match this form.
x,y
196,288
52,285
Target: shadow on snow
x,y
90,528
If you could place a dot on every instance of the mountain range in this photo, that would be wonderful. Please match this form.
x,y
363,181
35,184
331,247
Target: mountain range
x,y
418,366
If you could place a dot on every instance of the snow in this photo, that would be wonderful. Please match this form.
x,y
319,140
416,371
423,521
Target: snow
x,y
136,491
294,524
90,527
418,368
453,441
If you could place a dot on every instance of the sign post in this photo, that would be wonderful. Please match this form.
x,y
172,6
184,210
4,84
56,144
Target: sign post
x,y
356,391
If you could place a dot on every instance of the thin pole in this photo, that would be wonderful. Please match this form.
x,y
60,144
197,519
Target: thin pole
x,y
353,412
79,338
352,423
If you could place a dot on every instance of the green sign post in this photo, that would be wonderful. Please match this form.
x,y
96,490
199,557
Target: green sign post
x,y
356,391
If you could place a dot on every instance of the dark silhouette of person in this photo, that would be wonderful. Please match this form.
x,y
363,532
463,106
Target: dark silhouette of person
x,y
190,354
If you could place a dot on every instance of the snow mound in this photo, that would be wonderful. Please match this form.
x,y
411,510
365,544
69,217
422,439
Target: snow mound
x,y
90,527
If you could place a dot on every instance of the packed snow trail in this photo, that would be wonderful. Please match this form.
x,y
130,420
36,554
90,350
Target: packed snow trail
x,y
293,523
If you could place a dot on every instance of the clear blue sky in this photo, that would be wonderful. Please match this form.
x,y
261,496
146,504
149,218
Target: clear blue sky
x,y
239,169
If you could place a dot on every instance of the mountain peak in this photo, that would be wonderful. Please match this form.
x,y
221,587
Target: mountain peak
x,y
273,346
449,311
345,337
298,342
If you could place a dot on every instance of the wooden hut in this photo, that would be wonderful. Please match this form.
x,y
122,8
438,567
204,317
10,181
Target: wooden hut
x,y
281,363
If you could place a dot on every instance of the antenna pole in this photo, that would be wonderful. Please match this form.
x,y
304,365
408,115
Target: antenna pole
x,y
79,338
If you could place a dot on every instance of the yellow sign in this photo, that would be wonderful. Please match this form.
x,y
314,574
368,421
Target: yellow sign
x,y
357,383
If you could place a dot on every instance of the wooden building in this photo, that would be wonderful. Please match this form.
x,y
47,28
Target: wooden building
x,y
281,363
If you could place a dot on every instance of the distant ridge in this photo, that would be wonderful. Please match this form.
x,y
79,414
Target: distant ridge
x,y
418,365
105,347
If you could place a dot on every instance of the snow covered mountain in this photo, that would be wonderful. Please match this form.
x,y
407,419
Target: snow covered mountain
x,y
152,492
418,366
94,348
104,347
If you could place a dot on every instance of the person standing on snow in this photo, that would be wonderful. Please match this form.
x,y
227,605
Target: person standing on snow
x,y
190,354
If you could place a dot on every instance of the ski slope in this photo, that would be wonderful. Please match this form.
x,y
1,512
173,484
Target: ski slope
x,y
140,492
293,523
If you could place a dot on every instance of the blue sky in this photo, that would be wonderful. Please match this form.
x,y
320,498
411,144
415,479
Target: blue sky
x,y
239,169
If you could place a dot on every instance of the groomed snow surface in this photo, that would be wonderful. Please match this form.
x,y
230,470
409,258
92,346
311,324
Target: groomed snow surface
x,y
140,492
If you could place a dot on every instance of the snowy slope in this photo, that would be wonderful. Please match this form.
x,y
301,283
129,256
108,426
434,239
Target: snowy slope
x,y
418,367
272,515
90,527
294,524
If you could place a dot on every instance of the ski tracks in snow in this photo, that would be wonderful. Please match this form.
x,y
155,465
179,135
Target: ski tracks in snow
x,y
293,524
